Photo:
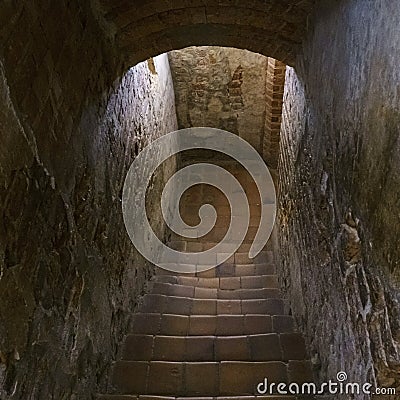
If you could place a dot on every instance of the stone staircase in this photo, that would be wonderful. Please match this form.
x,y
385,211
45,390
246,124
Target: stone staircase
x,y
213,334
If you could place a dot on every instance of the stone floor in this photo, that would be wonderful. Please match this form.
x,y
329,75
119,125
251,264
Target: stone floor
x,y
216,333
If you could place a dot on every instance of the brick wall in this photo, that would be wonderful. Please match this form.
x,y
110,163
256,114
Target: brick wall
x,y
269,27
275,80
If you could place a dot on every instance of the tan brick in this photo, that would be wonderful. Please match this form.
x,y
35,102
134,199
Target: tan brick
x,y
245,269
225,269
229,307
146,323
205,293
194,247
153,303
238,378
200,348
165,378
204,307
233,348
264,269
228,294
209,273
265,347
230,325
201,379
174,324
179,245
249,294
173,289
178,305
130,376
187,280
138,347
202,325
208,283
263,281
262,306
254,324
230,283
169,348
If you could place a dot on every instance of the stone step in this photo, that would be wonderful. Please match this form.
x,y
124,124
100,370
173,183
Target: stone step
x,y
214,236
196,245
237,282
238,258
228,269
221,325
204,378
262,347
171,289
160,303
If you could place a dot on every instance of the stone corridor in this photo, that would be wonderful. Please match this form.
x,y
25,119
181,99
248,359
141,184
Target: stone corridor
x,y
86,86
216,333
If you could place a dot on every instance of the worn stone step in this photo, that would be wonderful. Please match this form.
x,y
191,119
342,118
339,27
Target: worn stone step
x,y
228,269
181,325
197,245
171,289
266,257
195,378
194,306
216,234
237,282
259,347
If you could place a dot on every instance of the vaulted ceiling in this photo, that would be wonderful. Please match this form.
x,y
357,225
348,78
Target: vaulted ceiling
x,y
141,29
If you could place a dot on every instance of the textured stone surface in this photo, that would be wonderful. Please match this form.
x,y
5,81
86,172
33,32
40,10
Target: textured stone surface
x,y
339,196
140,30
223,88
67,279
68,272
225,350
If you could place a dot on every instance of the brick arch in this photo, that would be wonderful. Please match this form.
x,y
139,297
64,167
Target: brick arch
x,y
143,29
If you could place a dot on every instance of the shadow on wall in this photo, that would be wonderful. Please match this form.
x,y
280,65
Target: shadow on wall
x,y
339,220
69,276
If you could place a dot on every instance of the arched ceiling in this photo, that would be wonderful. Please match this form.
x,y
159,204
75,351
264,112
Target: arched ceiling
x,y
141,29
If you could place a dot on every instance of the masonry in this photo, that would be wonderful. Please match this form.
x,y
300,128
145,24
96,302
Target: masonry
x,y
339,180
69,132
81,95
236,90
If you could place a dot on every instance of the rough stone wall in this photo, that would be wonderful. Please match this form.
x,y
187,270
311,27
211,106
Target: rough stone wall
x,y
221,87
69,277
339,191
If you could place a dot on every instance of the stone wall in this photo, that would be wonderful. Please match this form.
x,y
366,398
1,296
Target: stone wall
x,y
69,276
223,88
339,191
